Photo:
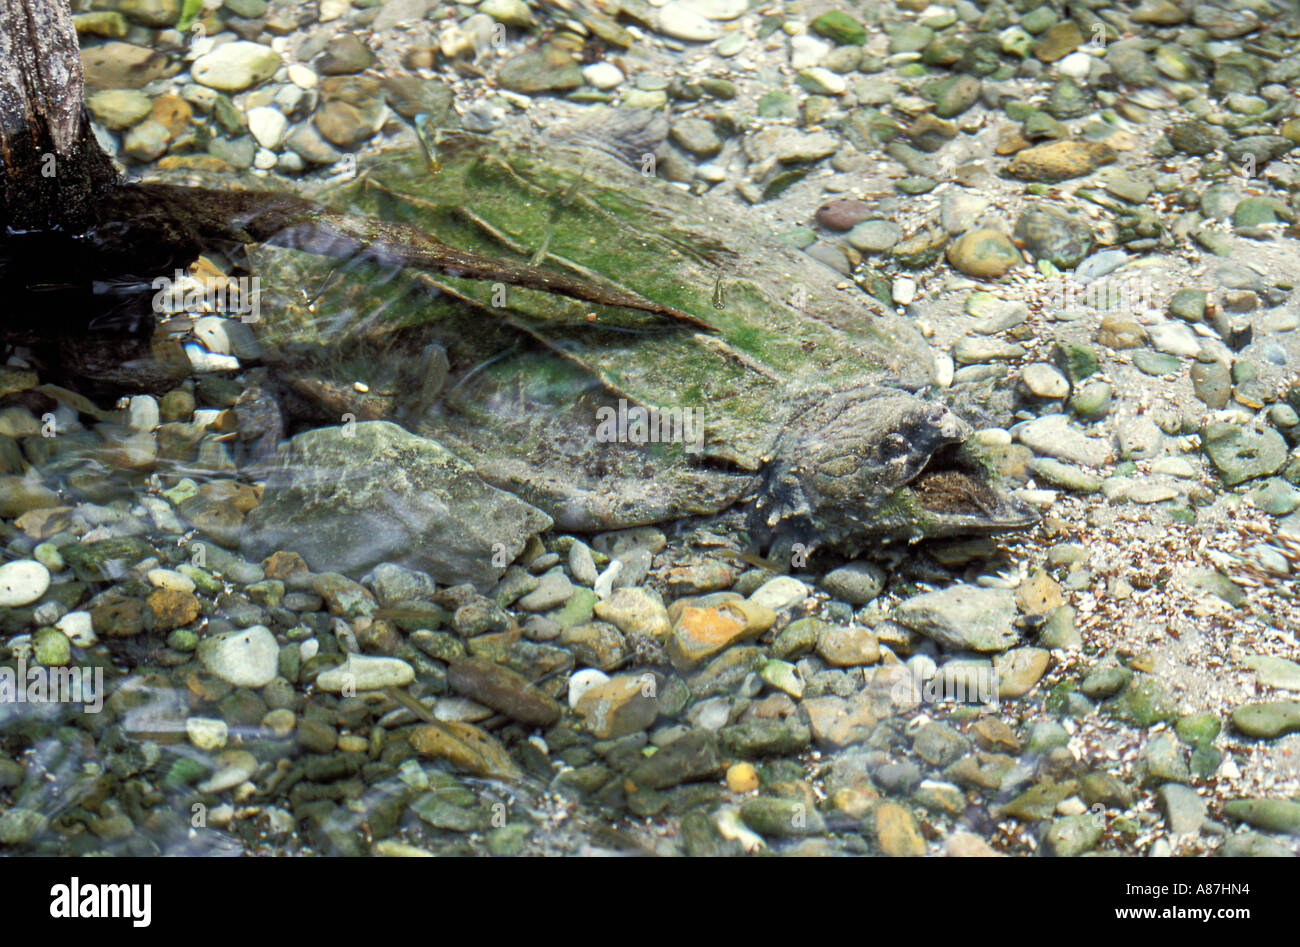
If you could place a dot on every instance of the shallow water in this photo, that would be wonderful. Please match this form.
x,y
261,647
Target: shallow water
x,y
374,579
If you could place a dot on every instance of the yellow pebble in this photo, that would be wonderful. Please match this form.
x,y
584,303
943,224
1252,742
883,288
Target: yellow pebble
x,y
353,743
742,777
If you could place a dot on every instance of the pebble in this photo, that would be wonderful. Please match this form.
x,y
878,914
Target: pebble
x,y
22,582
246,658
207,733
843,214
1019,669
959,209
233,67
636,611
700,633
1060,160
1175,339
304,77
875,236
617,707
1273,815
962,616
582,681
365,672
1044,381
780,593
552,591
1054,436
742,777
1267,719
502,689
582,566
1065,476
848,646
233,768
170,579
1273,671
79,628
807,50
973,351
268,126
603,75
856,583
896,831
1054,234
1240,454
680,20
143,413
984,252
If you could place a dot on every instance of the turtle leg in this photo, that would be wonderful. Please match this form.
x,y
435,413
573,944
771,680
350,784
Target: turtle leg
x,y
560,202
426,382
259,427
791,549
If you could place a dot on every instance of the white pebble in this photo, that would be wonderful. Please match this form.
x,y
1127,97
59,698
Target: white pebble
x,y
603,75
201,360
142,413
333,9
22,582
782,592
582,681
944,370
267,125
807,51
79,628
718,9
993,437
363,672
302,76
904,290
830,83
1039,498
170,579
206,417
233,768
1077,65
211,331
247,658
207,733
678,20
1044,380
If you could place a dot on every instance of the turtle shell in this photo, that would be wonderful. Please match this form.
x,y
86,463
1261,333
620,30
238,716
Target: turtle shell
x,y
602,416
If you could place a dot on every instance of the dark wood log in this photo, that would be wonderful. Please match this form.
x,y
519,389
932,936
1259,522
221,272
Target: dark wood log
x,y
54,170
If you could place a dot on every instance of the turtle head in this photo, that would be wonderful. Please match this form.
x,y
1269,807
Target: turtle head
x,y
858,465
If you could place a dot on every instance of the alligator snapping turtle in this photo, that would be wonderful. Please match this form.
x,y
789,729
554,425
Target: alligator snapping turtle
x,y
801,408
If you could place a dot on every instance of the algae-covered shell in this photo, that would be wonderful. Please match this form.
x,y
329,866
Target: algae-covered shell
x,y
606,416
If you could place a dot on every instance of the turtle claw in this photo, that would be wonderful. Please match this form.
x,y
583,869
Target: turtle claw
x,y
259,427
419,387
